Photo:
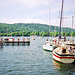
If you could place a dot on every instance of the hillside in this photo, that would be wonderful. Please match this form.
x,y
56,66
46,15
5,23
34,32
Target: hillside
x,y
31,27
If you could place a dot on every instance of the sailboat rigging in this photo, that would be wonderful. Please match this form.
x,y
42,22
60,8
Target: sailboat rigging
x,y
60,21
62,54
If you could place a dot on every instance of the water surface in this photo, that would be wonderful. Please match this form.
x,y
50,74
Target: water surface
x,y
31,60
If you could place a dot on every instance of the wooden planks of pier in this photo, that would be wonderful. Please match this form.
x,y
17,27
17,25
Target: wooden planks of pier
x,y
16,42
13,41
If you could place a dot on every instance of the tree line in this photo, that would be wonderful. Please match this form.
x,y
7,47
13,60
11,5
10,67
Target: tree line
x,y
28,29
31,27
27,33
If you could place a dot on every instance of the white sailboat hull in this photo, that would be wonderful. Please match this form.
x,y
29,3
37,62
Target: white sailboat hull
x,y
63,59
48,47
33,38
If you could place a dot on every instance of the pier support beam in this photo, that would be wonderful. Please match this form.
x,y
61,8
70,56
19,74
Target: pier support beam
x,y
1,43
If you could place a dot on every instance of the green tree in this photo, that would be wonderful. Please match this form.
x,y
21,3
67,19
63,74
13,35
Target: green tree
x,y
73,34
68,34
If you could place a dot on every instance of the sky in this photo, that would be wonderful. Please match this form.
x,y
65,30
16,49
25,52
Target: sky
x,y
37,11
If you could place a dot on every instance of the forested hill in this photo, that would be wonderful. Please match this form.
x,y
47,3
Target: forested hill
x,y
31,27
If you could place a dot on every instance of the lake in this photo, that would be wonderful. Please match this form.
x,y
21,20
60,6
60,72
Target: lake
x,y
31,60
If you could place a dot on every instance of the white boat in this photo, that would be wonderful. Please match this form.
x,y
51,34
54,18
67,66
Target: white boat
x,y
8,38
11,39
33,38
39,37
63,57
49,47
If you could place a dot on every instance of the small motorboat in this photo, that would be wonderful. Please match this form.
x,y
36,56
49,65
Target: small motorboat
x,y
49,47
8,39
33,38
64,57
39,37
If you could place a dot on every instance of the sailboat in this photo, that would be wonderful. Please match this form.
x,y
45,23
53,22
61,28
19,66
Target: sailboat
x,y
64,56
48,46
8,38
33,36
39,37
71,42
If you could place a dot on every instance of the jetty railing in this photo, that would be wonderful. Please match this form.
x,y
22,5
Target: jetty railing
x,y
12,41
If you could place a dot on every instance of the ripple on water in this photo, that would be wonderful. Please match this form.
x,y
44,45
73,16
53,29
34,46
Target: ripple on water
x,y
31,60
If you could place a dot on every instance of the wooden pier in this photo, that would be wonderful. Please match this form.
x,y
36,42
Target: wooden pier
x,y
12,41
16,42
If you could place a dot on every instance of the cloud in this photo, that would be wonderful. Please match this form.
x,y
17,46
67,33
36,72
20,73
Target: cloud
x,y
23,20
35,11
32,3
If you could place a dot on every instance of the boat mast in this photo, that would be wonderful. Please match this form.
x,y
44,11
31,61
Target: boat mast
x,y
7,31
49,17
61,20
22,30
72,28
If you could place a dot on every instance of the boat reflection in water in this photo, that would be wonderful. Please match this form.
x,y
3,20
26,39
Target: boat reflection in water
x,y
64,69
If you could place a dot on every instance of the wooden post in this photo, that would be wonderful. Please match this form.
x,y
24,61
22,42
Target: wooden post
x,y
13,41
28,39
28,43
23,41
1,42
18,41
7,41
